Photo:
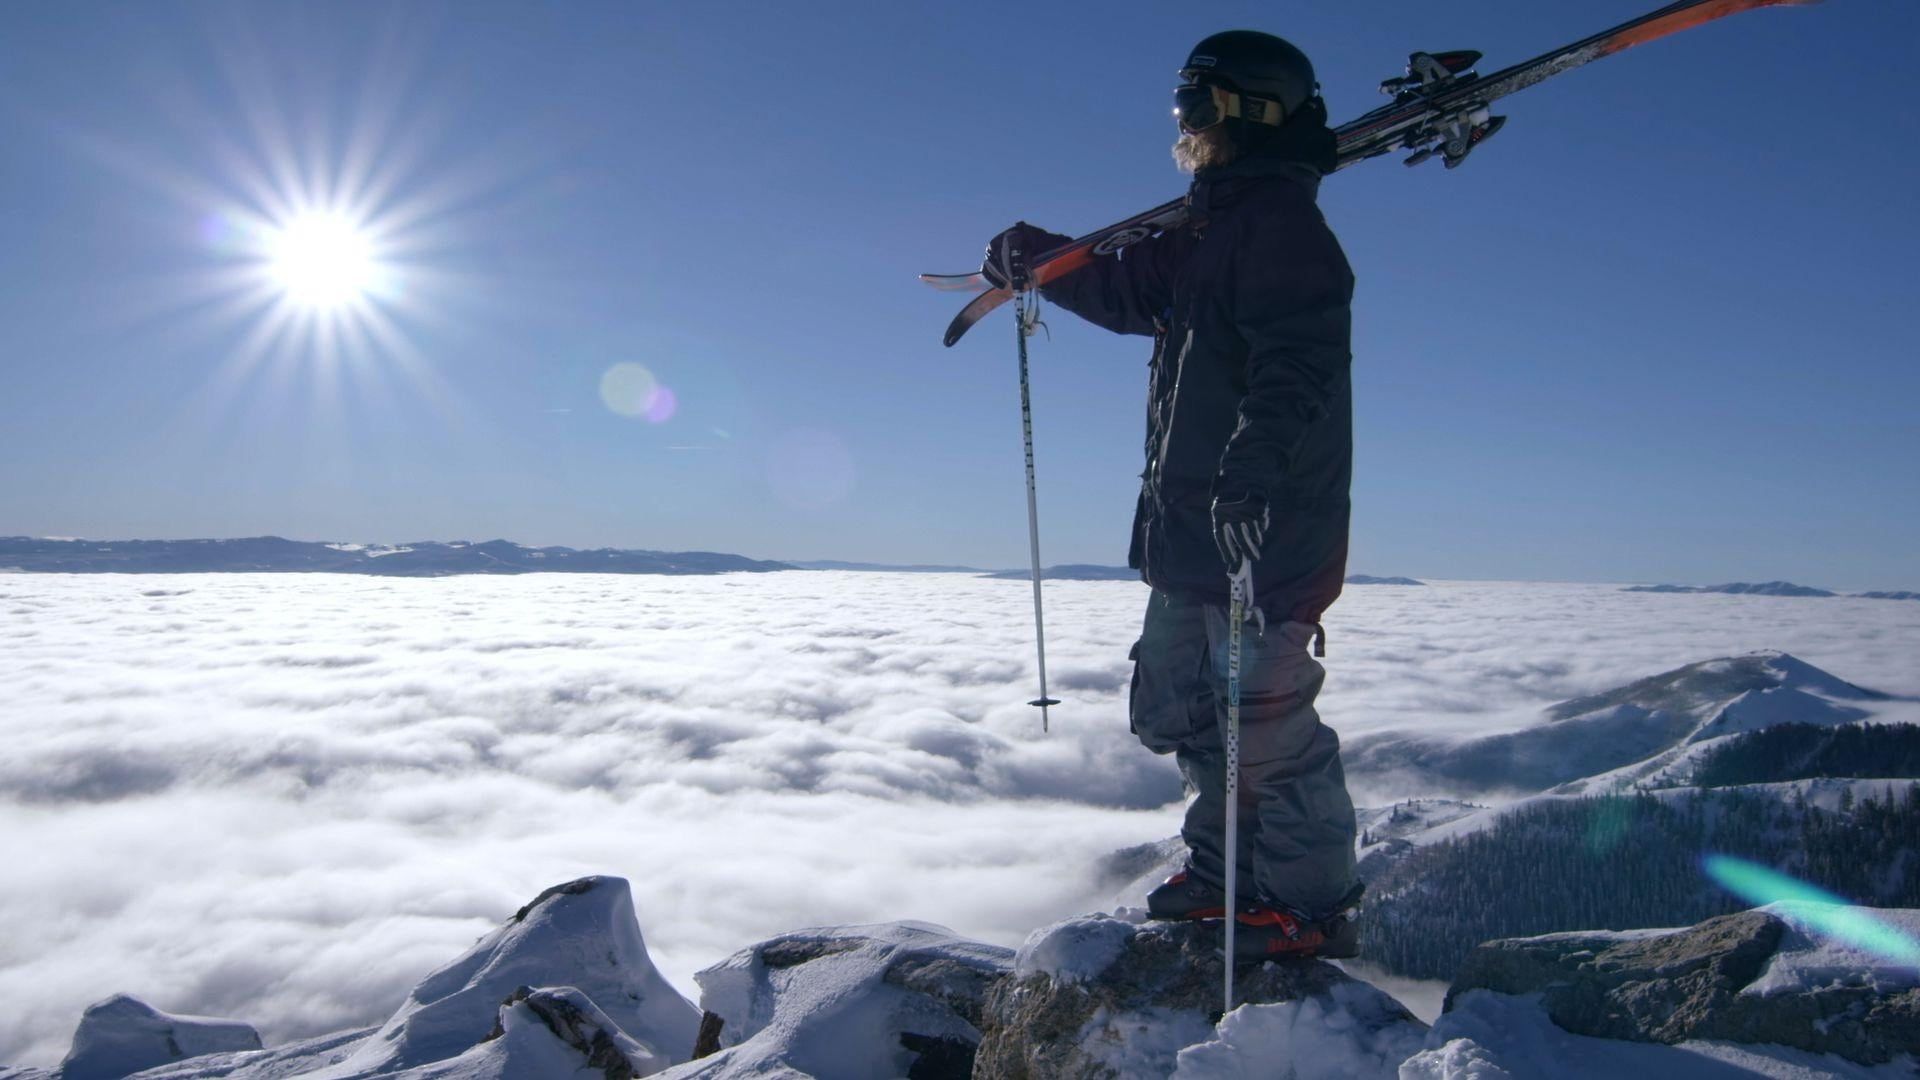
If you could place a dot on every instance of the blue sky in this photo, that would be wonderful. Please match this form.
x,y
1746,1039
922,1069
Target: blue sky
x,y
1660,329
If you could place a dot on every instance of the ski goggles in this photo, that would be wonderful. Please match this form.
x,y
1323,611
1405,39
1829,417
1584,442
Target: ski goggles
x,y
1199,106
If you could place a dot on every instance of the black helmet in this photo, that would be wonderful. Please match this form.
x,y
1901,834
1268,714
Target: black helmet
x,y
1254,63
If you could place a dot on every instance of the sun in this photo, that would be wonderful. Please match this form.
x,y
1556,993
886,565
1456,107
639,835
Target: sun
x,y
323,260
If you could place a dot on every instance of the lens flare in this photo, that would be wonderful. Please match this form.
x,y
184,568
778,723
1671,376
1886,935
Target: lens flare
x,y
665,404
629,389
1821,910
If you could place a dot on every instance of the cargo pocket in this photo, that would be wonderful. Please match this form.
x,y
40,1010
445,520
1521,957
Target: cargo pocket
x,y
1171,703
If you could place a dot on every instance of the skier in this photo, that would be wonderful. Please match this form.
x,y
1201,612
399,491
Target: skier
x,y
1249,455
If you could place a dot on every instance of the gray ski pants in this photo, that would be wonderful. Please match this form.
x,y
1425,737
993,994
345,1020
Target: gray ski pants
x,y
1296,820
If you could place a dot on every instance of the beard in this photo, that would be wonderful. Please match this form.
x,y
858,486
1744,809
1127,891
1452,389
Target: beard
x,y
1207,149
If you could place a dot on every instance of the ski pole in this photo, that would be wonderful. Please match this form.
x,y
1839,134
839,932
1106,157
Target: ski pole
x,y
1024,313
1236,613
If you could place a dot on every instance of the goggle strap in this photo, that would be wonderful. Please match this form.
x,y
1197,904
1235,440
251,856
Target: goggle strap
x,y
1257,110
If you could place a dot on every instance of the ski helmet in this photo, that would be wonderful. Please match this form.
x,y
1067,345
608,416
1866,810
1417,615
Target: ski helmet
x,y
1256,64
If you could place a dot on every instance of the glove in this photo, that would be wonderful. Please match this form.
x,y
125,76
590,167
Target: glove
x,y
1239,528
1002,269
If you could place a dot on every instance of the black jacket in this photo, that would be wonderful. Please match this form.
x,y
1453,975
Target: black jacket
x,y
1248,387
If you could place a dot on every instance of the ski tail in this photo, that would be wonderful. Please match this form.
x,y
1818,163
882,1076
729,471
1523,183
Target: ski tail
x,y
973,282
1047,267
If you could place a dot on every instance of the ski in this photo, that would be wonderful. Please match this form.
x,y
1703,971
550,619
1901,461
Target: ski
x,y
1439,109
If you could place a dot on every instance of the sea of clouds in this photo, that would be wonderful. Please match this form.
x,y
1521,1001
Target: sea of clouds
x,y
284,798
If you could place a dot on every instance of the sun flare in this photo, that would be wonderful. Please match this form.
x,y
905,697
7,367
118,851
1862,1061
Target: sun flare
x,y
323,260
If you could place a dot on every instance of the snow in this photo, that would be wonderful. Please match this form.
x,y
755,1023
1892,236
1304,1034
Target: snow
x,y
834,1014
528,1047
1411,818
1491,1036
1836,945
122,1035
1348,1035
1075,950
581,935
1145,1042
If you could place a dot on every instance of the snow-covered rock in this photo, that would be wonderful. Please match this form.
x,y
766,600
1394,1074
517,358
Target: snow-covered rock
x,y
1489,1036
582,935
1770,976
1098,996
553,1032
303,1057
564,988
1791,991
880,1001
123,1035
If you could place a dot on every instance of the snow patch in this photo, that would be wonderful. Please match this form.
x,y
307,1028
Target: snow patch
x,y
1348,1034
1838,945
1489,1036
1074,950
1141,1042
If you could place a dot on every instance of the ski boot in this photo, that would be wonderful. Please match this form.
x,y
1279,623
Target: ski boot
x,y
1270,933
1184,896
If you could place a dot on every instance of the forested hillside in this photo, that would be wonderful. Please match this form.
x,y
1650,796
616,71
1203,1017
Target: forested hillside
x,y
1622,862
1800,751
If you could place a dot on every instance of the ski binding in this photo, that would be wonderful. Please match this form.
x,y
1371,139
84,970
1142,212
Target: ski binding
x,y
1429,71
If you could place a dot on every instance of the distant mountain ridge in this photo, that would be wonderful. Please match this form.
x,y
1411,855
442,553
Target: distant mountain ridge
x,y
274,554
1772,588
1741,588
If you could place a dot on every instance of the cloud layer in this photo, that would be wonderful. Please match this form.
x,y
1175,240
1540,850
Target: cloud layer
x,y
286,797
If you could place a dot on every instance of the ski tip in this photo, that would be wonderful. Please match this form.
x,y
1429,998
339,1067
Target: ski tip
x,y
1044,702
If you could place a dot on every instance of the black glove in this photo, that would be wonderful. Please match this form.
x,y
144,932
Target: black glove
x,y
1010,254
1239,528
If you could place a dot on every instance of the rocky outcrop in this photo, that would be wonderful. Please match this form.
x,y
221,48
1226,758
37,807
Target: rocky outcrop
x,y
123,1035
1103,997
1741,978
572,1017
1789,989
